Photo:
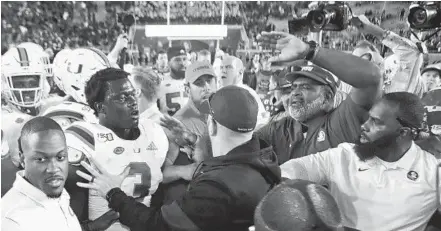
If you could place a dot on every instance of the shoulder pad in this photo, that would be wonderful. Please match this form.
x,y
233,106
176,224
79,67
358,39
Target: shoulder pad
x,y
83,132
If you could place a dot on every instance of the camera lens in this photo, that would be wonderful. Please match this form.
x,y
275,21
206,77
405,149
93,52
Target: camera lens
x,y
318,19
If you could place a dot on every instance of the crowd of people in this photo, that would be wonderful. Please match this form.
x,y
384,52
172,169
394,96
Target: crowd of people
x,y
301,137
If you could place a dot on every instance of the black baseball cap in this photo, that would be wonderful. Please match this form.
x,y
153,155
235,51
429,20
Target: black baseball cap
x,y
175,51
313,72
233,107
432,67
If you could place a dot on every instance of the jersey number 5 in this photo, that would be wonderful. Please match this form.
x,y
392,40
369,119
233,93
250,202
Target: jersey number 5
x,y
140,171
171,104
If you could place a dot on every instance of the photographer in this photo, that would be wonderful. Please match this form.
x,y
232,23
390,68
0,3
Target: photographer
x,y
313,124
401,71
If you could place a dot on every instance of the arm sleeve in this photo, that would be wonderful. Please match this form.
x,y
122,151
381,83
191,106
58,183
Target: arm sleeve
x,y
136,215
407,78
316,168
203,207
345,122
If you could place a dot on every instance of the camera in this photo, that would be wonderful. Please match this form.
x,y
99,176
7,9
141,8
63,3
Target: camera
x,y
333,16
126,19
329,17
425,15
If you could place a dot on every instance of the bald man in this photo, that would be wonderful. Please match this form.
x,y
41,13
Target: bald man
x,y
38,200
232,70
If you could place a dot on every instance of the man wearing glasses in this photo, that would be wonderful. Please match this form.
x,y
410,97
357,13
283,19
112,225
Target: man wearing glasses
x,y
384,181
118,142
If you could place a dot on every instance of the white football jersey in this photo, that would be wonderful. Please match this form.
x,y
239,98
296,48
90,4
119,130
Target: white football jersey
x,y
144,155
12,123
172,96
67,112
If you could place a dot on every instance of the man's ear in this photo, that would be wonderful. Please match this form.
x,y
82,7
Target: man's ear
x,y
212,126
405,131
99,107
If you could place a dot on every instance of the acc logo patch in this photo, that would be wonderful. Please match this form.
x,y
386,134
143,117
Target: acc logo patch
x,y
104,137
19,120
321,136
118,150
412,175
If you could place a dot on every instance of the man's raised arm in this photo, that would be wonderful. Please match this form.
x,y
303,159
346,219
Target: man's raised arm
x,y
363,75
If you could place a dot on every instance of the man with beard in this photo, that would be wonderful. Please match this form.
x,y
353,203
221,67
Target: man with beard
x,y
172,96
384,181
314,124
224,190
38,200
200,83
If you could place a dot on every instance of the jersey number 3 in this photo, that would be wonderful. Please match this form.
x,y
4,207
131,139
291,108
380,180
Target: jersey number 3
x,y
140,171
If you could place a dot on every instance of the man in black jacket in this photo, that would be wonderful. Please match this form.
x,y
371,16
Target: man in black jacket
x,y
225,189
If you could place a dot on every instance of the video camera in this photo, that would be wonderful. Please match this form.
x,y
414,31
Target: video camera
x,y
328,17
425,15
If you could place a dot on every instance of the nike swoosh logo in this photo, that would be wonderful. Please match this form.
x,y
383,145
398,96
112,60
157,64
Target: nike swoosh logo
x,y
362,170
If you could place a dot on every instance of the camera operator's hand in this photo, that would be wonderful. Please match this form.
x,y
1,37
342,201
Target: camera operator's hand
x,y
365,26
122,42
291,48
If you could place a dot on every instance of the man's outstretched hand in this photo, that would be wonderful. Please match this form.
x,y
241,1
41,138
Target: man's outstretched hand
x,y
178,132
291,48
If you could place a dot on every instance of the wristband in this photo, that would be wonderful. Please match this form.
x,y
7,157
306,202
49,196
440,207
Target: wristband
x,y
110,194
312,50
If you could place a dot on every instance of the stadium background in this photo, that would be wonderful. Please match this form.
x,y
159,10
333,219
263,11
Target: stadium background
x,y
57,25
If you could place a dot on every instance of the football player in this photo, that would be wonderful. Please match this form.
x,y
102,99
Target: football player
x,y
74,72
118,142
39,51
172,96
23,77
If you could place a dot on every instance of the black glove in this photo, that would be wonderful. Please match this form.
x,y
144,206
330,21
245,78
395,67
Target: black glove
x,y
101,223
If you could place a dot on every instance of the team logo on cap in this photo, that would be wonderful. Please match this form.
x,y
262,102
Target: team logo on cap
x,y
412,175
321,136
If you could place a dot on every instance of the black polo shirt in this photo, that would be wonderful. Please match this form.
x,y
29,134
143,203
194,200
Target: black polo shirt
x,y
343,124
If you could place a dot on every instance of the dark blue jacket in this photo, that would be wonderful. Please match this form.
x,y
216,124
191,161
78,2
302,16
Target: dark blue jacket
x,y
223,194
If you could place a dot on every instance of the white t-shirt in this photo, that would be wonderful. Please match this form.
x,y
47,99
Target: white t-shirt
x,y
374,195
27,208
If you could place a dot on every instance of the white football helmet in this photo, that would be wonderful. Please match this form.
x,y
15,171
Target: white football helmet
x,y
82,63
32,47
23,77
60,67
